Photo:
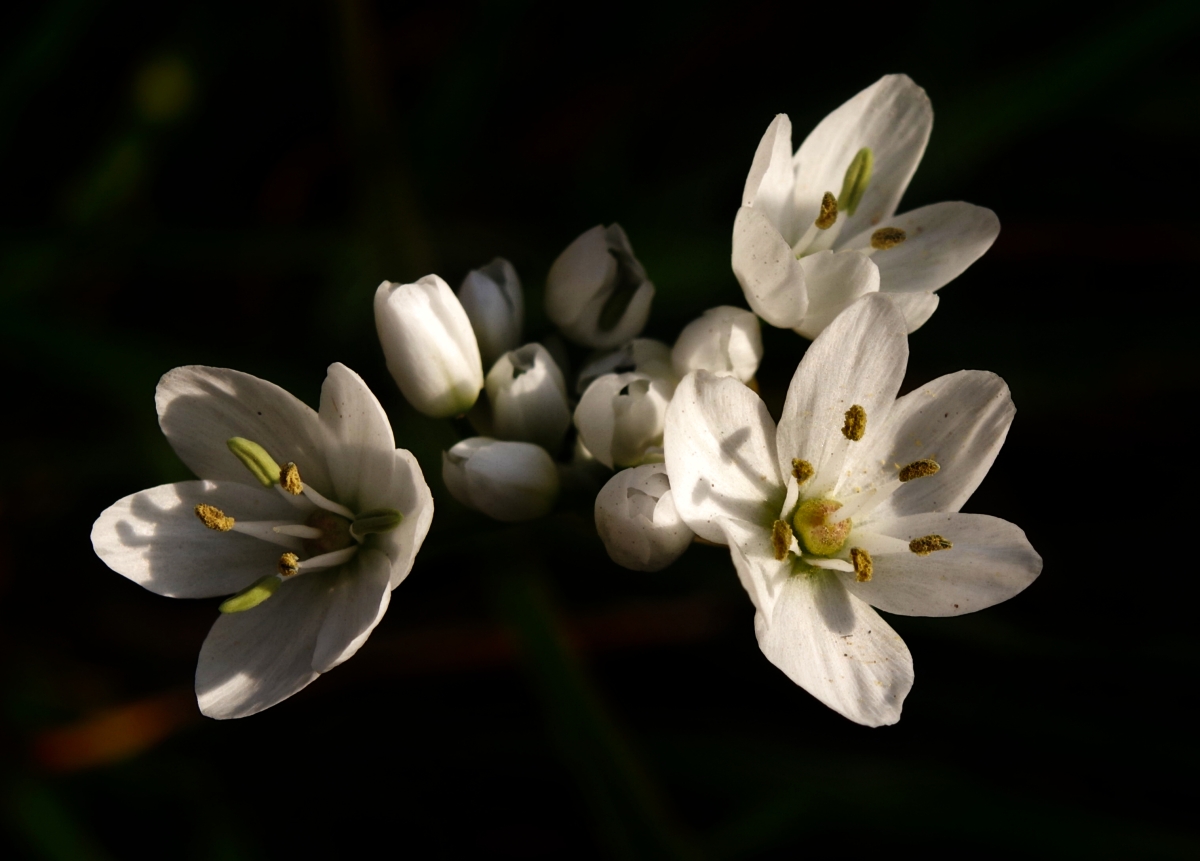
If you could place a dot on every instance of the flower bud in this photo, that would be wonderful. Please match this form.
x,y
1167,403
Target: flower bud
x,y
495,305
620,418
429,346
726,341
529,397
597,292
637,520
644,355
508,481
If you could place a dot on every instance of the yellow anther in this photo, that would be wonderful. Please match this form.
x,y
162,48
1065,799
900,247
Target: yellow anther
x,y
887,237
289,479
920,469
928,544
856,423
214,518
802,469
781,539
255,458
858,177
863,566
289,564
828,213
252,595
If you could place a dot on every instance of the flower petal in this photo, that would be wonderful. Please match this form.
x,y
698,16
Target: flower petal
x,y
837,648
959,420
771,179
358,598
942,240
768,271
409,494
720,453
893,117
990,561
917,308
154,538
858,360
200,408
361,448
255,659
761,574
834,279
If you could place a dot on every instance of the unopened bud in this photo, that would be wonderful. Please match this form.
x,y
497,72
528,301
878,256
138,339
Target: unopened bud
x,y
507,481
726,341
637,519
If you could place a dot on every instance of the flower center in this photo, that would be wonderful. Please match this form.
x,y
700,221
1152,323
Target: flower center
x,y
335,533
815,530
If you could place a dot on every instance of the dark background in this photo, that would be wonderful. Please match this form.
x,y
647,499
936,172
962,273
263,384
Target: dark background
x,y
227,183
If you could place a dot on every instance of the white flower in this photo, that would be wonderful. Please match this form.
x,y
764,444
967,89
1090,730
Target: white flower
x,y
850,504
620,418
801,214
492,298
529,397
508,481
429,346
637,520
597,292
644,355
726,341
314,565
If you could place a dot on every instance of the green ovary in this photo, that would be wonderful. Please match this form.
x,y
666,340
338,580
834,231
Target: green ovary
x,y
817,535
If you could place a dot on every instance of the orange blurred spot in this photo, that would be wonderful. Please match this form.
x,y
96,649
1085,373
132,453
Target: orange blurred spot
x,y
115,734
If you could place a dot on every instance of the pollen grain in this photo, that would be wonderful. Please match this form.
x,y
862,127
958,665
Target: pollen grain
x,y
928,544
919,469
214,518
289,479
856,423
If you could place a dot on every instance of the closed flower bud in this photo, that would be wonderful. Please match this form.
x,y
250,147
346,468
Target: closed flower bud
x,y
726,341
644,355
620,418
529,397
508,481
597,292
429,346
492,298
637,520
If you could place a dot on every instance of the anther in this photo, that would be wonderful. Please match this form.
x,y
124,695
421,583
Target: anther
x,y
289,564
856,423
376,520
887,237
928,544
863,566
781,539
854,184
289,479
802,470
255,458
919,469
214,518
829,212
252,595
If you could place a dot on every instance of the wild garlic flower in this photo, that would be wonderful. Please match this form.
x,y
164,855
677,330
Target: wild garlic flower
x,y
507,481
643,355
528,398
726,341
637,520
492,299
851,503
312,548
620,418
801,214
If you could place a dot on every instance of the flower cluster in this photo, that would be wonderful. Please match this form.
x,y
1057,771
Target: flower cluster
x,y
850,502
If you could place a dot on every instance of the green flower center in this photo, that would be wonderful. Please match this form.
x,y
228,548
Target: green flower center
x,y
817,532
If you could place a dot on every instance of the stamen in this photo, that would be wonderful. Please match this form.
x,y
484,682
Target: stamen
x,y
255,458
328,560
887,237
252,595
856,423
298,531
928,544
863,566
781,539
829,212
802,470
854,184
828,564
289,479
919,469
289,564
214,518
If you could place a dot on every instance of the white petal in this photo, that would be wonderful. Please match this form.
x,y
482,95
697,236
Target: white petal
x,y
761,574
720,454
917,308
991,561
200,408
637,519
361,446
858,360
838,649
255,659
358,598
942,240
834,280
155,539
492,298
771,179
893,117
724,340
528,397
409,494
959,420
768,271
